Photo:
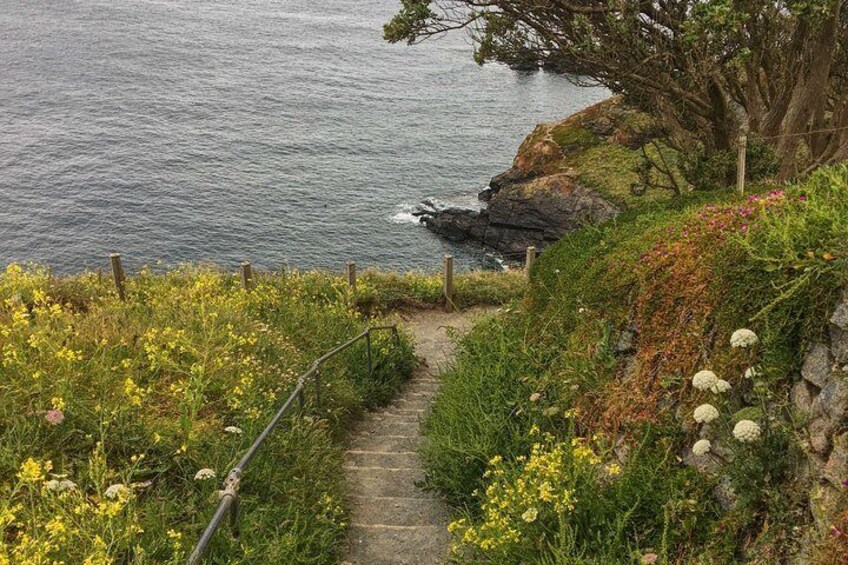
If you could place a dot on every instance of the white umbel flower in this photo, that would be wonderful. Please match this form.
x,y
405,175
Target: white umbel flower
x,y
235,430
720,386
704,380
752,372
204,475
743,338
55,485
747,431
116,491
702,447
705,413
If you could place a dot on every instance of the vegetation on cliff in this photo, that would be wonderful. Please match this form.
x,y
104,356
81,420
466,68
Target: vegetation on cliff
x,y
702,69
571,431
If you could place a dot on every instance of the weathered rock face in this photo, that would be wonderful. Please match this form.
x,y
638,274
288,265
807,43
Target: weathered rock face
x,y
537,212
538,199
821,394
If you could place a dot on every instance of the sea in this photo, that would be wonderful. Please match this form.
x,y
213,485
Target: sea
x,y
286,133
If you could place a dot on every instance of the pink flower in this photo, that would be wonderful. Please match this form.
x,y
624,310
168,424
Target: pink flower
x,y
649,558
54,417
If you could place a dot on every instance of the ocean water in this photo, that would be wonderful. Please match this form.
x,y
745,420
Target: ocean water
x,y
282,132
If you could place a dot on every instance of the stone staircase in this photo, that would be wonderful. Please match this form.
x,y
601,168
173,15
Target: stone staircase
x,y
394,521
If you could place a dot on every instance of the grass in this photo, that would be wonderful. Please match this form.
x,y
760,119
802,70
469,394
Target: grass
x,y
141,394
552,382
381,290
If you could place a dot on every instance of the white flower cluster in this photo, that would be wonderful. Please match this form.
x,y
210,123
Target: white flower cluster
x,y
707,380
702,447
55,485
743,338
204,474
116,491
747,431
720,386
235,430
705,413
704,380
752,373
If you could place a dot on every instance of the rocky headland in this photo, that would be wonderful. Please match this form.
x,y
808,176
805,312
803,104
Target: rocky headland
x,y
565,175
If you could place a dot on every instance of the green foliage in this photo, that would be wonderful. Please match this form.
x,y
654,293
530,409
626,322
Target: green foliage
x,y
774,262
479,412
380,290
130,400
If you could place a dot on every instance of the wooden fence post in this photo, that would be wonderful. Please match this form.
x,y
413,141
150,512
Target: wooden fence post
x,y
118,274
740,164
448,283
246,272
531,258
351,275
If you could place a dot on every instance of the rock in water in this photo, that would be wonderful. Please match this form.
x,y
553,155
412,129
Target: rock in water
x,y
540,198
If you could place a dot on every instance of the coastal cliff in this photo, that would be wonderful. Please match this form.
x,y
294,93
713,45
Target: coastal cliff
x,y
566,175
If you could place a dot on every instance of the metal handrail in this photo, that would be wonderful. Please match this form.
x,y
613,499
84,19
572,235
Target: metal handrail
x,y
229,493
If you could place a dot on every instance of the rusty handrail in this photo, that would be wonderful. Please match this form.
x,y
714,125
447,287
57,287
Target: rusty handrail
x,y
229,494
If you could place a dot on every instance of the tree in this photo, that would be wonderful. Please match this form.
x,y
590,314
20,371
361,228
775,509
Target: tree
x,y
702,68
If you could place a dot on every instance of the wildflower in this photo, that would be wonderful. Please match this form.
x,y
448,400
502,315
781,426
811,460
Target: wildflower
x,y
204,474
743,338
56,485
530,514
835,532
649,559
751,373
57,403
614,469
705,413
54,417
720,386
32,471
702,447
704,380
535,396
233,430
747,431
116,491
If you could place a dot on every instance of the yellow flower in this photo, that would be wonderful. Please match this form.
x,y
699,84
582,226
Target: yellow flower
x,y
32,471
614,469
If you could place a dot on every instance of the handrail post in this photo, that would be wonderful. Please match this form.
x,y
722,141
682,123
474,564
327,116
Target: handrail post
x,y
246,272
448,283
351,275
118,274
530,259
368,349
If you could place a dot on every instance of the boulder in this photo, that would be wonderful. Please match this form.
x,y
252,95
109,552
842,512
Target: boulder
x,y
536,212
817,365
832,402
802,396
836,468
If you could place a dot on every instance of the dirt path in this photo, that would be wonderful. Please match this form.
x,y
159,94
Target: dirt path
x,y
394,522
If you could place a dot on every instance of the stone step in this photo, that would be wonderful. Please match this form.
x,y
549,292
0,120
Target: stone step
x,y
389,427
381,482
394,459
385,443
397,511
416,545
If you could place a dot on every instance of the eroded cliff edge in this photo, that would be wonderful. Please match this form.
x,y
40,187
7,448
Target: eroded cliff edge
x,y
565,175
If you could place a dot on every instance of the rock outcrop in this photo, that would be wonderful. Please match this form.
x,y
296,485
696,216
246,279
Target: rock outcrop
x,y
541,197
